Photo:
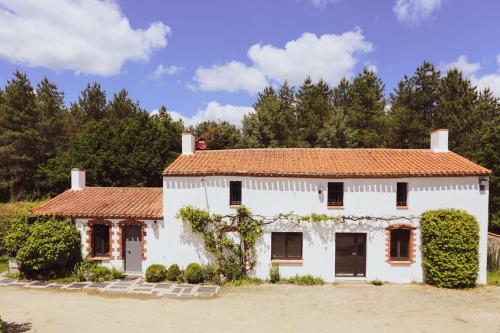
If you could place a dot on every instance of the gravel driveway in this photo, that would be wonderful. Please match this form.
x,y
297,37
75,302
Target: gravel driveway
x,y
339,308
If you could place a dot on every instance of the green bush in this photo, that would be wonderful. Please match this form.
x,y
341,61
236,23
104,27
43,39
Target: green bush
x,y
83,270
377,282
305,280
49,248
100,274
194,273
274,274
209,273
156,273
173,272
450,248
117,273
232,268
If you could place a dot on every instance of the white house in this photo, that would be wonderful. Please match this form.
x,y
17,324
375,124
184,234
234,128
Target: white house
x,y
133,228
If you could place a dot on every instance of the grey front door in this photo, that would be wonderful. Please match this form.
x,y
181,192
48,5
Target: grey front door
x,y
132,248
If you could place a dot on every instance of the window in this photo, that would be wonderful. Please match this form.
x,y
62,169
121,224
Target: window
x,y
234,193
286,245
400,244
402,195
100,240
335,194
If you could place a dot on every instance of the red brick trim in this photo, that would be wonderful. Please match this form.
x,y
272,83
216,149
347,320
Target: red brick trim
x,y
90,224
126,222
412,245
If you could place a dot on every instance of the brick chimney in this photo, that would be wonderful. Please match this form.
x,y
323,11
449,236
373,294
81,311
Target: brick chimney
x,y
77,179
439,141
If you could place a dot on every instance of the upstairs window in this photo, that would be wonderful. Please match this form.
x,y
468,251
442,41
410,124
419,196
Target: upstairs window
x,y
336,194
400,244
402,195
100,240
234,193
286,245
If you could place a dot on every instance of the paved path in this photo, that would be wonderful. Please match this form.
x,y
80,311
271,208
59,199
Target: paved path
x,y
129,285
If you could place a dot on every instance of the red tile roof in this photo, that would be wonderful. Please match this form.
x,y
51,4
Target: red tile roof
x,y
106,202
324,163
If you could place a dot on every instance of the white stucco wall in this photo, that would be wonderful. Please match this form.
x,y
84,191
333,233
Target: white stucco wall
x,y
174,242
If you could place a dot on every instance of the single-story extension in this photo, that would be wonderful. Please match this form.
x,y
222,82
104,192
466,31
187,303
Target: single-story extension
x,y
132,228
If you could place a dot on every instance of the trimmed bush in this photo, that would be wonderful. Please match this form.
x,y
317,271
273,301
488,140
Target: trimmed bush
x,y
51,248
194,273
450,248
173,272
156,273
274,274
100,274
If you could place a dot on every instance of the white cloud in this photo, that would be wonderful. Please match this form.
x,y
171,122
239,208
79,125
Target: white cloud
x,y
162,70
467,68
91,36
415,11
231,77
329,57
322,3
491,80
214,111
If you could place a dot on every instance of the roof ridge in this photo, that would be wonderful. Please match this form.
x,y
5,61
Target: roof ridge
x,y
122,187
315,148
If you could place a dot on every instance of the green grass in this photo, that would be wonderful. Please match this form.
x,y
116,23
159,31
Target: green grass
x,y
494,278
4,264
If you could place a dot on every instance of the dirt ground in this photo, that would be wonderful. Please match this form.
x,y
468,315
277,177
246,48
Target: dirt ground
x,y
265,308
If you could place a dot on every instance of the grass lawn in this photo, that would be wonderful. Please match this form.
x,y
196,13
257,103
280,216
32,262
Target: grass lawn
x,y
494,278
3,264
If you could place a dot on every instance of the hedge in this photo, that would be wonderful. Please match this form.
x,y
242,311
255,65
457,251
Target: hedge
x,y
450,248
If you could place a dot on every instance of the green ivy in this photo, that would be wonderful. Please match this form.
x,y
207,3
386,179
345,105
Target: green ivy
x,y
450,248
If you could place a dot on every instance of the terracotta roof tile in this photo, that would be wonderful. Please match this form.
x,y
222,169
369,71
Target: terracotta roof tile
x,y
106,202
324,163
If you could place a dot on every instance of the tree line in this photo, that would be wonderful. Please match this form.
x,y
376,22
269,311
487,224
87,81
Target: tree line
x,y
119,143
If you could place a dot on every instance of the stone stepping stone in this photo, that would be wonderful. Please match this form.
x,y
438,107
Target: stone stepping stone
x,y
187,291
176,290
142,289
163,285
78,285
40,284
119,287
185,286
56,285
6,281
99,285
207,289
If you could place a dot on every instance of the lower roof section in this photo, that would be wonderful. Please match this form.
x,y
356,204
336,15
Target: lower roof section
x,y
106,202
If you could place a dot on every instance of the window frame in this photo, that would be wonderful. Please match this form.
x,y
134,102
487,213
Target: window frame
x,y
333,191
287,236
399,241
105,239
234,191
402,198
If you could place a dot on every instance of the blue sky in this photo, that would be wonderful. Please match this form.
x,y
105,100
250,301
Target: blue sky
x,y
208,59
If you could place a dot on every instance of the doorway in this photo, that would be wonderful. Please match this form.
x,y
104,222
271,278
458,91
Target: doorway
x,y
350,254
132,248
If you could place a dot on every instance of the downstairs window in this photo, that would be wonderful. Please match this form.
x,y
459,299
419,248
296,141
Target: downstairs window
x,y
100,240
400,244
286,245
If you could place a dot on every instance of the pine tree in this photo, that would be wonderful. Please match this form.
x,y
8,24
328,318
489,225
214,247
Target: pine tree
x,y
121,106
219,134
413,109
91,104
366,114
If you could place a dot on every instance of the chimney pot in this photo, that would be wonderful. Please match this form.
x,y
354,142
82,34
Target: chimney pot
x,y
77,179
188,143
439,141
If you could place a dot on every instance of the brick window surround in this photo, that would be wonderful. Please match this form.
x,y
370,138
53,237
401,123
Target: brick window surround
x,y
90,224
119,233
411,247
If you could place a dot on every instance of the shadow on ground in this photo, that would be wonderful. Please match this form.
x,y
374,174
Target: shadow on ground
x,y
15,327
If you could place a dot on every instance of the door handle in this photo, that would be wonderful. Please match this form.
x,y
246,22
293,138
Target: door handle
x,y
128,251
354,254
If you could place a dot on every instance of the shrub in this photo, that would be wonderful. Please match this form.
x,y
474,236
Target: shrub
x,y
117,274
156,273
194,273
83,270
18,231
209,273
232,268
377,282
100,274
50,249
305,280
274,274
246,281
450,244
173,272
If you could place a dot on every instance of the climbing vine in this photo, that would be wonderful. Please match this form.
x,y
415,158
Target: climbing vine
x,y
216,230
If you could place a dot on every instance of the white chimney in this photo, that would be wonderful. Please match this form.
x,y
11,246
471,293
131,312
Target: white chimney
x,y
439,141
77,179
188,143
